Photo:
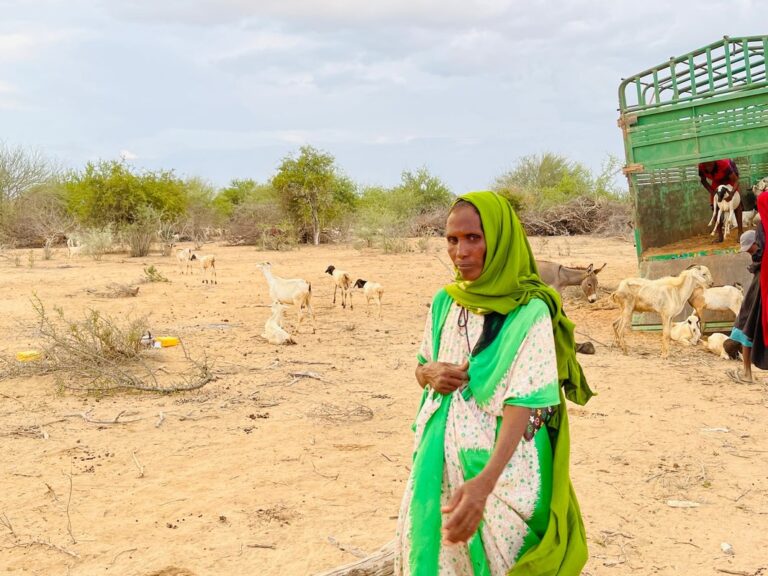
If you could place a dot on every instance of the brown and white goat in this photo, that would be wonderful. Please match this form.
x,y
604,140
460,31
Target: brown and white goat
x,y
207,267
717,298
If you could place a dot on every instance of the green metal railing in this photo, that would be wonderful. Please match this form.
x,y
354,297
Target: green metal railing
x,y
732,64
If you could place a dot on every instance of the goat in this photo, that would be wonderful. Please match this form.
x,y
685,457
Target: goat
x,y
74,247
184,258
725,208
717,298
207,265
273,328
666,296
343,281
289,291
718,344
371,291
686,332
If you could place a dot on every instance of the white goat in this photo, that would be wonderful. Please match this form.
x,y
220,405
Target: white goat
x,y
184,258
273,328
716,344
343,281
207,267
371,291
74,247
686,332
725,208
289,291
717,298
666,296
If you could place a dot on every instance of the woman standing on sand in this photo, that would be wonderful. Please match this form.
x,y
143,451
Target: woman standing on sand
x,y
489,491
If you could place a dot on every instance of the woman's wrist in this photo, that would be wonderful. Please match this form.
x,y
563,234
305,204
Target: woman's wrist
x,y
486,481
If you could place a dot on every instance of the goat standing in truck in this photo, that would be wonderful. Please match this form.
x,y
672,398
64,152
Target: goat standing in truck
x,y
721,173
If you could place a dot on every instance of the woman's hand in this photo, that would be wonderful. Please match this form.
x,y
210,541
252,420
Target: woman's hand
x,y
443,377
465,511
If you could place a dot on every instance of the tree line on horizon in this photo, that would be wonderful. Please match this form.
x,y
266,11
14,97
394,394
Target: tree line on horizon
x,y
309,199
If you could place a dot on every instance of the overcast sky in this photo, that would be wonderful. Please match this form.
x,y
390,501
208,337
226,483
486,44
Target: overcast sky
x,y
224,89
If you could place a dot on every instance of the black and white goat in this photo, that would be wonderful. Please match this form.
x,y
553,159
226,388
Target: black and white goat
x,y
371,291
342,280
727,204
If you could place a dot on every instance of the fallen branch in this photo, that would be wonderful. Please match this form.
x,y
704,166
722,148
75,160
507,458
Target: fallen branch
x,y
344,548
116,420
381,563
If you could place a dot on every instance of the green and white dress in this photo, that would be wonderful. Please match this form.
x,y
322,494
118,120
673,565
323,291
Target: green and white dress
x,y
520,369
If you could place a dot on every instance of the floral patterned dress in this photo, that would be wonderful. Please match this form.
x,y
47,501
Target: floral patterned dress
x,y
517,511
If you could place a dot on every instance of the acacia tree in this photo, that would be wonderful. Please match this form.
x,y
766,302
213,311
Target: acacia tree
x,y
311,189
112,192
544,179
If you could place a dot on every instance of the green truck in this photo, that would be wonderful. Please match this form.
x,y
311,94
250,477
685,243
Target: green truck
x,y
707,105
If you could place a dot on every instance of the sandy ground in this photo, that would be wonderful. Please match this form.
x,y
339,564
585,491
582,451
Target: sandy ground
x,y
261,472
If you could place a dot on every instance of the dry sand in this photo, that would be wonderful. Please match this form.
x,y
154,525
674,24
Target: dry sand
x,y
261,472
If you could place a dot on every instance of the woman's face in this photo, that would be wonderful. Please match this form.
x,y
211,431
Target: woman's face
x,y
466,241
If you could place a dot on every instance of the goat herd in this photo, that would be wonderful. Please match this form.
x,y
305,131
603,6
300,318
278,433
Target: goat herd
x,y
284,291
665,296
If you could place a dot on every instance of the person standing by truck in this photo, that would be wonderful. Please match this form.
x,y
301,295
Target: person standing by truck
x,y
749,318
718,173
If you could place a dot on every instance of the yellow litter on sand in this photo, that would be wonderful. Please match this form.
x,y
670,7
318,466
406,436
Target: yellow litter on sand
x,y
28,355
166,341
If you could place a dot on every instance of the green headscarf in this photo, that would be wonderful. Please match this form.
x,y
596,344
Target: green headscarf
x,y
510,279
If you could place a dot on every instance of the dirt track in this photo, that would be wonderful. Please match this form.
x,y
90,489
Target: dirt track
x,y
255,472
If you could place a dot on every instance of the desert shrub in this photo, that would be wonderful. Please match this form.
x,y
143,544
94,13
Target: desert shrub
x,y
152,274
263,225
101,354
141,233
395,245
97,241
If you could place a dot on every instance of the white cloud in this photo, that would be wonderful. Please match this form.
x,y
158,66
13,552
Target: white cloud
x,y
128,155
35,41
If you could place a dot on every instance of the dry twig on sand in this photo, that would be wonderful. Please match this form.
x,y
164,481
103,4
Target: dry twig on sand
x,y
7,523
337,414
69,519
43,543
139,465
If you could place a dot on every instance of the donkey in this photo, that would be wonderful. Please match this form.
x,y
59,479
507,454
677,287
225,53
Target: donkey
x,y
559,276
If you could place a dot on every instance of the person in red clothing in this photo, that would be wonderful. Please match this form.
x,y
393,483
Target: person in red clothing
x,y
719,173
